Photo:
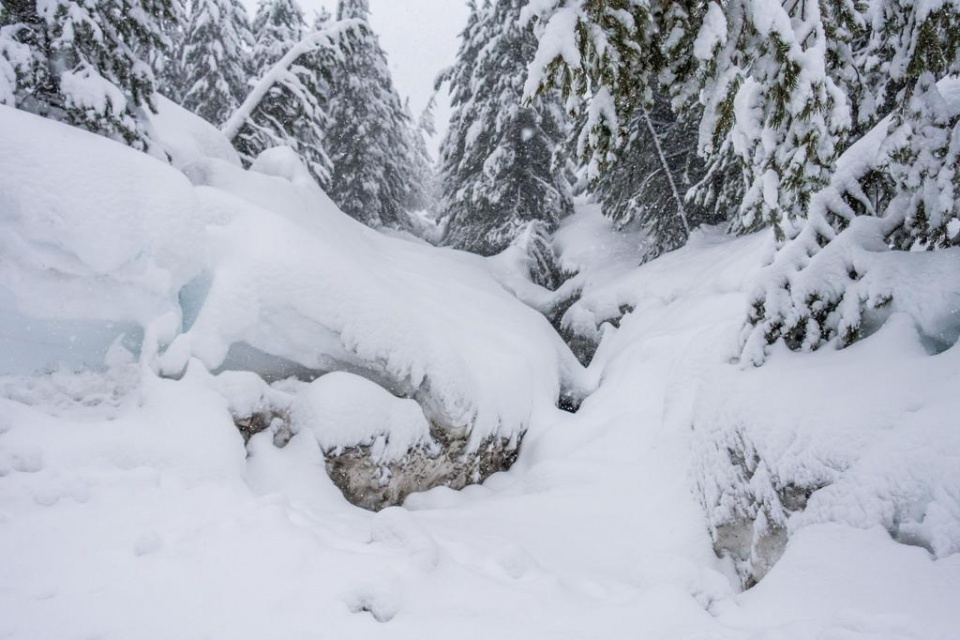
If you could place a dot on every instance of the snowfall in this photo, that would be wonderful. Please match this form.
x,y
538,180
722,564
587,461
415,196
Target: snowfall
x,y
144,304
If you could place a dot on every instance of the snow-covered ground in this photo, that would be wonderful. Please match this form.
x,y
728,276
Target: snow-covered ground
x,y
131,509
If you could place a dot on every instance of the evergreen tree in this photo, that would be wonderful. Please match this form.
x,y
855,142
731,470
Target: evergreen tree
x,y
427,122
612,74
292,110
370,143
164,62
498,165
81,62
213,59
904,181
769,95
647,181
924,168
634,89
784,88
422,193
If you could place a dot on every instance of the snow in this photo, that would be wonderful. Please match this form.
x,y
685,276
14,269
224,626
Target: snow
x,y
187,138
460,350
131,509
326,38
88,90
79,246
554,42
344,409
712,33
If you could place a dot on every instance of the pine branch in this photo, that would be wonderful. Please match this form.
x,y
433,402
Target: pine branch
x,y
326,39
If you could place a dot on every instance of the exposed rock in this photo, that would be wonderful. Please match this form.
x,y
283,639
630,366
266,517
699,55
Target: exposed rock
x,y
367,473
376,485
753,554
277,420
584,341
748,508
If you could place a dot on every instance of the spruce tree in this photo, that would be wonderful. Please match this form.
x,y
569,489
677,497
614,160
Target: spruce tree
x,y
292,110
82,62
422,193
905,178
924,168
769,95
646,183
164,61
613,71
634,89
370,142
498,166
213,65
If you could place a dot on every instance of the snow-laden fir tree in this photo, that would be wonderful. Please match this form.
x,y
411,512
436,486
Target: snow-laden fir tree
x,y
603,57
291,111
629,72
82,62
498,170
833,111
422,194
371,143
648,176
213,59
163,61
895,189
768,94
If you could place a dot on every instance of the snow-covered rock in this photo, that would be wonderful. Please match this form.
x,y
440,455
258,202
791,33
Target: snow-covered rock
x,y
860,436
185,269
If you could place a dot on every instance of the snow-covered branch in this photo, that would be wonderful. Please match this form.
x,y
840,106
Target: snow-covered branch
x,y
324,39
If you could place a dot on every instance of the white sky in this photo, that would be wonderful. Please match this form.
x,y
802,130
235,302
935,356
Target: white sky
x,y
420,38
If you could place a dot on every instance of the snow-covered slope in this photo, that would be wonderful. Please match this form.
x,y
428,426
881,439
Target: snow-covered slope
x,y
131,509
92,231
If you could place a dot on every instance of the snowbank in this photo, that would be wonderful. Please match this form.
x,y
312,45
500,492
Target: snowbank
x,y
92,231
344,410
130,508
862,436
186,137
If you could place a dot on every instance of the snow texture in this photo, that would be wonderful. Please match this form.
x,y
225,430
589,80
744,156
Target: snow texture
x,y
282,270
130,507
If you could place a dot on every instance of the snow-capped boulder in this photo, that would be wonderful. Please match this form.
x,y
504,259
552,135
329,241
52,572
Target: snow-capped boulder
x,y
189,269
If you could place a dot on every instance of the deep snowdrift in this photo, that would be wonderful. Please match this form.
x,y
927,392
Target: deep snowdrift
x,y
131,506
94,233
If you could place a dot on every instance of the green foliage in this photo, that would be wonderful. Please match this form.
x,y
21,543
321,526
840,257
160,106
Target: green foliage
x,y
500,169
81,62
379,172
212,65
292,112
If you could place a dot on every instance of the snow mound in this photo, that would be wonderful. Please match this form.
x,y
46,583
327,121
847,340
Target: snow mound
x,y
344,410
91,230
187,137
861,436
611,286
298,279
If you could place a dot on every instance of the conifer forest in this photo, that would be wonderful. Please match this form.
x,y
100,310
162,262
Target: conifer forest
x,y
560,319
